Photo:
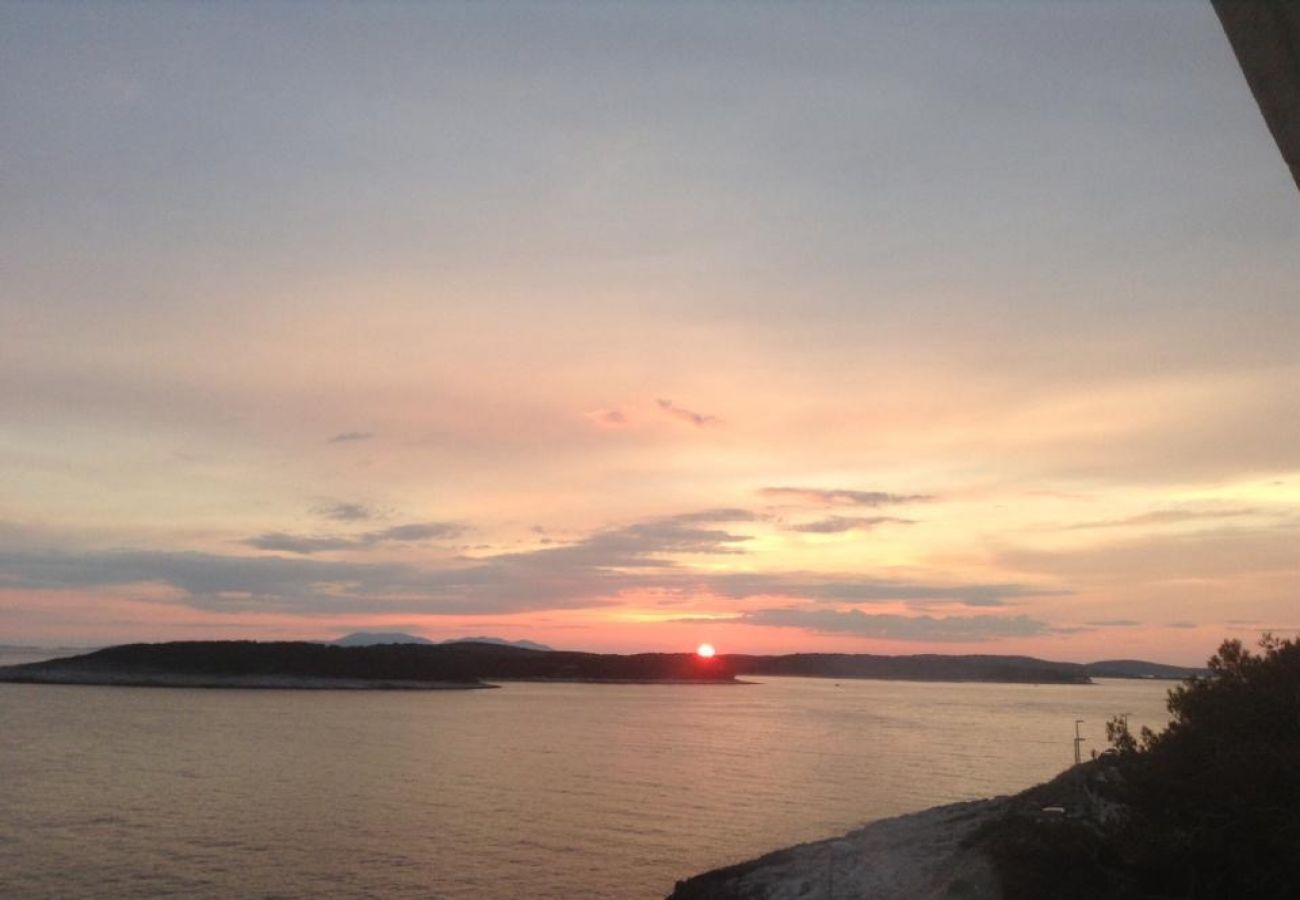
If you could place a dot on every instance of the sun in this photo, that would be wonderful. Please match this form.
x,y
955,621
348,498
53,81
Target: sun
x,y
705,650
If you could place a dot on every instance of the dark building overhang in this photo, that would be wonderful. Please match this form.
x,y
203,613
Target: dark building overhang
x,y
1265,35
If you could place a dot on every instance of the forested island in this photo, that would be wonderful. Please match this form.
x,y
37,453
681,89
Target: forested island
x,y
1209,808
471,664
938,667
384,666
926,667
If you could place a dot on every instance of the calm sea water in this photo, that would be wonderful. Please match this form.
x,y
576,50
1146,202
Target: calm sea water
x,y
533,790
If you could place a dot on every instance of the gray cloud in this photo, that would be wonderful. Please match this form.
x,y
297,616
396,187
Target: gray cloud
x,y
346,512
699,420
1181,625
840,524
306,544
958,629
838,496
1113,623
717,514
295,543
416,531
589,572
641,544
348,436
633,556
303,586
610,418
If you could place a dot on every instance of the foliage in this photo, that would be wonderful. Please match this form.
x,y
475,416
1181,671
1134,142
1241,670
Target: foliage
x,y
1216,795
1119,737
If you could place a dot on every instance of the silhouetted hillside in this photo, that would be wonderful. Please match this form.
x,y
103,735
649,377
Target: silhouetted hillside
x,y
1136,668
460,662
927,667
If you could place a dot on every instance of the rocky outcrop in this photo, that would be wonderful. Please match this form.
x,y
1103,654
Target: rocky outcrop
x,y
923,856
966,851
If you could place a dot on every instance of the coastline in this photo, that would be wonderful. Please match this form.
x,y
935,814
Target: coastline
x,y
957,851
917,856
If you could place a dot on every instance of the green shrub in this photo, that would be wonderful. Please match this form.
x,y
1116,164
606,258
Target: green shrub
x,y
1216,795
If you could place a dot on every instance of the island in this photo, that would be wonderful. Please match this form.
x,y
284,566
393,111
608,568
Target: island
x,y
396,666
922,667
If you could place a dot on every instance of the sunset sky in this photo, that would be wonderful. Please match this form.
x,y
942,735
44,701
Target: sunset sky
x,y
899,328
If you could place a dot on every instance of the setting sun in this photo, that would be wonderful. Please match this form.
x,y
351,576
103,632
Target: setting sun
x,y
705,650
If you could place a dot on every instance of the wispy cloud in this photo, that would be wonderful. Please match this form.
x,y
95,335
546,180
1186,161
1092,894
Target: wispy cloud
x,y
297,543
415,531
838,496
609,418
280,584
345,512
1113,623
307,544
645,544
889,626
861,589
1165,517
699,420
841,524
1227,552
350,436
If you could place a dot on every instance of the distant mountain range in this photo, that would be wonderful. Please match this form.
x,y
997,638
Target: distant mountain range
x,y
526,645
372,638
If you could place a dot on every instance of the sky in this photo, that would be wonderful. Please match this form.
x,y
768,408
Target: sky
x,y
887,328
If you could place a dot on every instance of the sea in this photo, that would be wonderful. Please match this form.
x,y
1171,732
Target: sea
x,y
529,790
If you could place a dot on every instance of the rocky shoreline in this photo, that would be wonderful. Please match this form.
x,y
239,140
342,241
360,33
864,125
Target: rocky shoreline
x,y
917,856
954,852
